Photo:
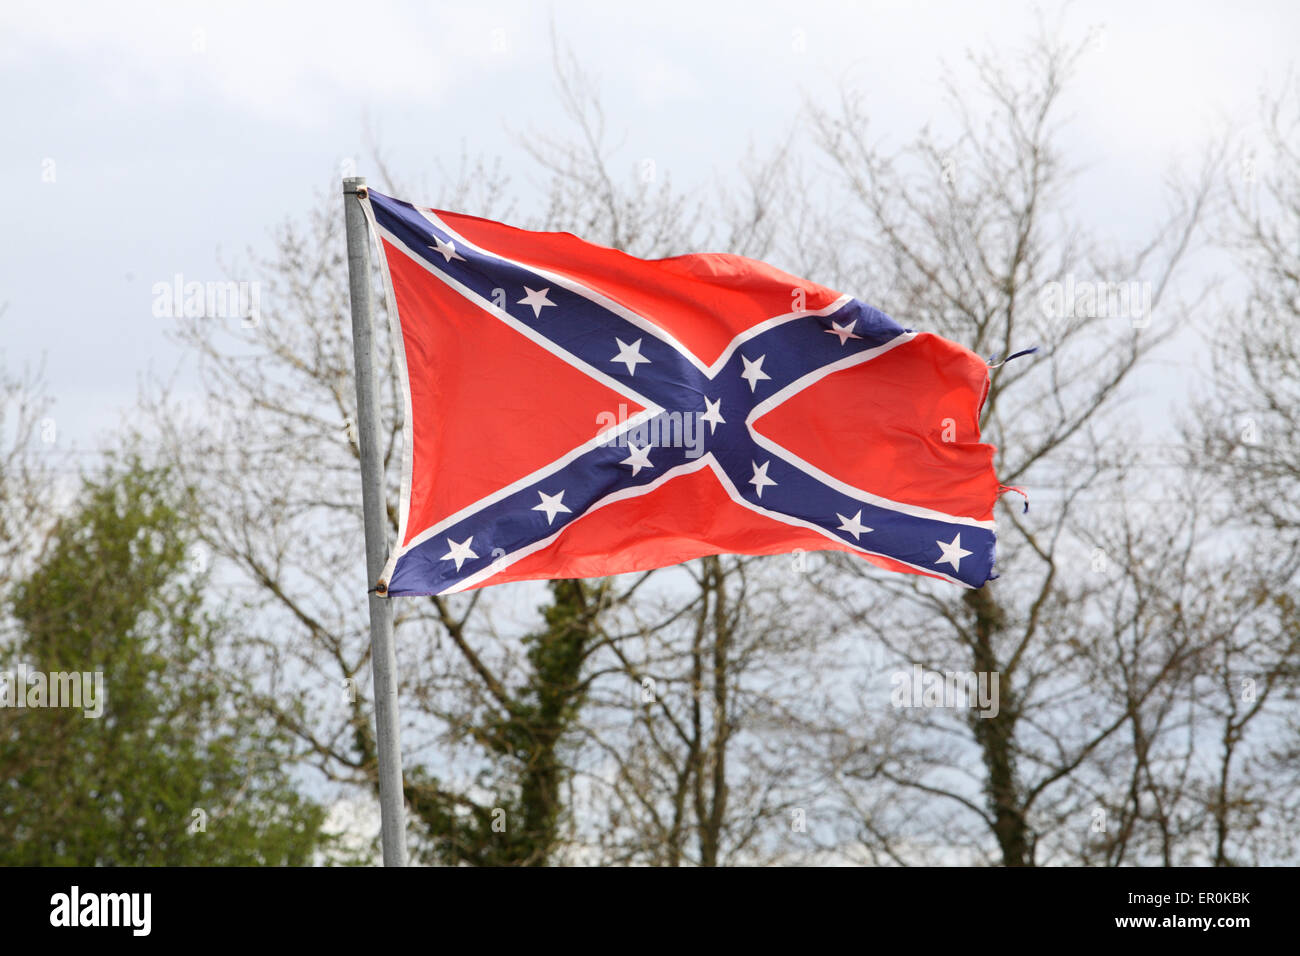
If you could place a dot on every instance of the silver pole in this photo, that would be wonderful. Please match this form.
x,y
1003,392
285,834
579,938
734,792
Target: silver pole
x,y
383,658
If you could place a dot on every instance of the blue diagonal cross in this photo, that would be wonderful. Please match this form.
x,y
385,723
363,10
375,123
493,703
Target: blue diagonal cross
x,y
484,540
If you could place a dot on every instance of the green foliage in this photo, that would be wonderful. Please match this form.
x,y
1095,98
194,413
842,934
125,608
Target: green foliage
x,y
523,739
115,592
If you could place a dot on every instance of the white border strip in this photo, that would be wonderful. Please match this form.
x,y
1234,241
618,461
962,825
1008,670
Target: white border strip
x,y
399,351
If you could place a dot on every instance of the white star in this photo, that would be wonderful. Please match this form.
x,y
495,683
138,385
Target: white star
x,y
640,458
459,553
446,249
753,372
552,505
630,355
537,300
854,525
760,479
713,415
845,331
953,552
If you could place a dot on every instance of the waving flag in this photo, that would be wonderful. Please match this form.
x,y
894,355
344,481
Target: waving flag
x,y
572,411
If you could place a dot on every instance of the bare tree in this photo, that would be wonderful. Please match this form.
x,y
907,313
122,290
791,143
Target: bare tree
x,y
271,445
1251,427
974,228
1244,435
733,710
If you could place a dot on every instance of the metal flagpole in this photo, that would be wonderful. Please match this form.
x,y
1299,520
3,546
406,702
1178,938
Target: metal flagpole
x,y
383,659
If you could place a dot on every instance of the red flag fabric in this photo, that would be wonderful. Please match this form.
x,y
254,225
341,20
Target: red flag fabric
x,y
572,411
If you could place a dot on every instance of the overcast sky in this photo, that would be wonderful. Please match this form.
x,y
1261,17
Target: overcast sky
x,y
142,140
